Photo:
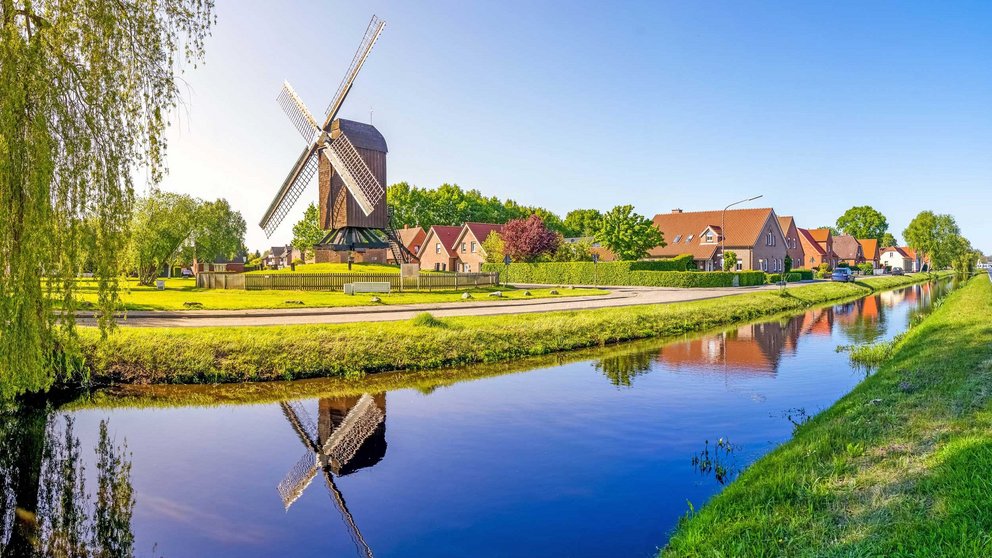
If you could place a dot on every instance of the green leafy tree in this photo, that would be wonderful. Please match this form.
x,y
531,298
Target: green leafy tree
x,y
787,264
582,222
936,237
627,234
579,251
160,226
85,91
729,260
493,248
863,221
888,240
218,232
307,232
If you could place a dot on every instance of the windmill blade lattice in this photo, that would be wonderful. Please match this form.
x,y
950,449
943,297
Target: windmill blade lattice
x,y
364,48
355,174
298,479
297,112
294,185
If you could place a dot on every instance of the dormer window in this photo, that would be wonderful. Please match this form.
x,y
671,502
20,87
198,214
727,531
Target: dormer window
x,y
709,236
688,240
678,238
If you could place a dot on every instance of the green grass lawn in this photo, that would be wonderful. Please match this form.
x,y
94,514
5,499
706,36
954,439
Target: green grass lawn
x,y
335,268
234,354
900,467
179,292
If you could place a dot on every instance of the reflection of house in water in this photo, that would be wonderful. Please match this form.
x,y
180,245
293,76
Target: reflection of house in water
x,y
349,434
818,322
750,348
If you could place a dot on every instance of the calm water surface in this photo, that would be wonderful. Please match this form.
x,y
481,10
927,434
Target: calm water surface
x,y
588,458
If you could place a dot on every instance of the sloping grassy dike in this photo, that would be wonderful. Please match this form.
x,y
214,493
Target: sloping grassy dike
x,y
235,354
897,468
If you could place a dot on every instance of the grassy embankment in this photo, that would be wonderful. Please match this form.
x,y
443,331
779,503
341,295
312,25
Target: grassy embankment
x,y
232,354
897,468
182,294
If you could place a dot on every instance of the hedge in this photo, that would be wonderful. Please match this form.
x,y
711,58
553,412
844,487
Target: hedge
x,y
638,273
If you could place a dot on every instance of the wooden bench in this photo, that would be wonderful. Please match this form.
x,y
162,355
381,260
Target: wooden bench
x,y
366,287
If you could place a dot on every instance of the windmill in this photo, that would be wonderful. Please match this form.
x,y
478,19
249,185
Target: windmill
x,y
350,435
349,159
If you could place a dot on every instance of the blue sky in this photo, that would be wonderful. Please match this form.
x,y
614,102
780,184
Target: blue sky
x,y
817,106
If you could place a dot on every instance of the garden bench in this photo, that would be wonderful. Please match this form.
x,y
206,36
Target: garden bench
x,y
366,287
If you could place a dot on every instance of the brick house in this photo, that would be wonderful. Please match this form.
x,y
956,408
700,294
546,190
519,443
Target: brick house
x,y
818,247
869,249
755,235
793,246
437,252
412,238
281,256
901,256
848,250
468,246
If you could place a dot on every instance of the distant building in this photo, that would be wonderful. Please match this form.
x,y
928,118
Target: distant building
x,y
281,256
412,238
848,250
755,235
818,247
869,249
793,246
438,252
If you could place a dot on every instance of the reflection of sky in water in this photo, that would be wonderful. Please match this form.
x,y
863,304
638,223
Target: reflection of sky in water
x,y
585,459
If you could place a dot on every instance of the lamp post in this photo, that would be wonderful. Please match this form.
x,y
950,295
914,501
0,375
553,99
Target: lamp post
x,y
723,226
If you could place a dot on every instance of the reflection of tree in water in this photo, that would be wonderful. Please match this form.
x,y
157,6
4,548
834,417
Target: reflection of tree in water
x,y
46,508
624,367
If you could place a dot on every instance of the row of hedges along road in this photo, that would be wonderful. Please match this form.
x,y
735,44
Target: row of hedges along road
x,y
636,273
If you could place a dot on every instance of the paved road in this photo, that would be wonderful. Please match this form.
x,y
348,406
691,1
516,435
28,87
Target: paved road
x,y
619,296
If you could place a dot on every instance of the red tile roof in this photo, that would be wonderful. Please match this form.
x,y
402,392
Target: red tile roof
x,y
810,242
869,246
846,247
819,235
743,229
482,230
447,235
409,235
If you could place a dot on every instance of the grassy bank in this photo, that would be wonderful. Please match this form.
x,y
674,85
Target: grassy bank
x,y
182,294
897,468
197,355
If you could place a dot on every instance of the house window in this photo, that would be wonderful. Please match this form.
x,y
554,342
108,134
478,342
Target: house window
x,y
437,267
437,248
416,249
678,237
463,247
688,240
740,265
763,265
467,268
709,236
473,246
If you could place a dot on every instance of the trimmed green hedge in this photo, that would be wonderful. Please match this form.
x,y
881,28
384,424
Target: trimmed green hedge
x,y
639,273
683,262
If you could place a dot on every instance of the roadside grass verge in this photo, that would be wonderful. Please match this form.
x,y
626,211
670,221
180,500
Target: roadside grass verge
x,y
897,468
236,354
182,294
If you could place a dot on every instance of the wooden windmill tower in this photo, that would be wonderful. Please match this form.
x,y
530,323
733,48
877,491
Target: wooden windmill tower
x,y
350,435
349,159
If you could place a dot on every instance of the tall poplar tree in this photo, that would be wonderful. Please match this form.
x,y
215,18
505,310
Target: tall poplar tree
x,y
85,92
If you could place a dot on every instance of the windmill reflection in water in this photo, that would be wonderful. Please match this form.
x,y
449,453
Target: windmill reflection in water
x,y
350,434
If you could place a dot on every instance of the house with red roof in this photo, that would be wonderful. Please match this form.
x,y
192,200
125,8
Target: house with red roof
x,y
818,248
848,250
437,252
412,238
869,249
468,245
753,234
793,246
903,257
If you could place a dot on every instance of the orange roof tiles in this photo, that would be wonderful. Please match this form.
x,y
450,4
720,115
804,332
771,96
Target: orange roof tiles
x,y
869,246
743,228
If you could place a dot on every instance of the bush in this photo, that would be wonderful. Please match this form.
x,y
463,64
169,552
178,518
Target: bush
x,y
824,267
867,268
799,275
426,319
678,263
639,273
298,261
824,274
773,278
843,264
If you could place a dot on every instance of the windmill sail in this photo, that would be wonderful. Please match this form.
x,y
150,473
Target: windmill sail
x,y
297,112
296,181
368,41
355,174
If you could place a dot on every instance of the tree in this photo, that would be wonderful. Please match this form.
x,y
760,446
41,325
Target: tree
x,y
863,221
307,232
578,251
218,232
583,222
85,93
888,240
833,231
493,247
787,264
729,260
160,225
628,235
935,237
525,240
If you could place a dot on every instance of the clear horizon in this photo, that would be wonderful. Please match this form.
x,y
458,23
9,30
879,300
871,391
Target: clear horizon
x,y
816,107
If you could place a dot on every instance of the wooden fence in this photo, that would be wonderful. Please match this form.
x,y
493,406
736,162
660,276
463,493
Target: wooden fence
x,y
336,281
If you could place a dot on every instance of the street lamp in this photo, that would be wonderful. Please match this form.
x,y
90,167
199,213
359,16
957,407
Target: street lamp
x,y
723,226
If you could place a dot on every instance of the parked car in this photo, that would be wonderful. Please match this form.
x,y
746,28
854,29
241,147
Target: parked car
x,y
842,274
897,271
187,272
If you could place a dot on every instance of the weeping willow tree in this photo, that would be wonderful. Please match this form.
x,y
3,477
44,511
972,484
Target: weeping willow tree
x,y
85,90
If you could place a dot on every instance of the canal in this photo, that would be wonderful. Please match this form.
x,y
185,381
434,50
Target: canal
x,y
593,454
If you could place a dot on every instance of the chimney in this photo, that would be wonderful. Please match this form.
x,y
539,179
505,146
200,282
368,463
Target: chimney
x,y
677,210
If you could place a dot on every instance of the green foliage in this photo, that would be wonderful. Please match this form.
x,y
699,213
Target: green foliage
x,y
787,264
888,241
773,278
578,251
937,237
799,275
426,319
634,273
867,268
85,91
628,235
824,267
218,232
448,204
863,221
160,225
494,248
729,260
307,231
843,264
583,222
